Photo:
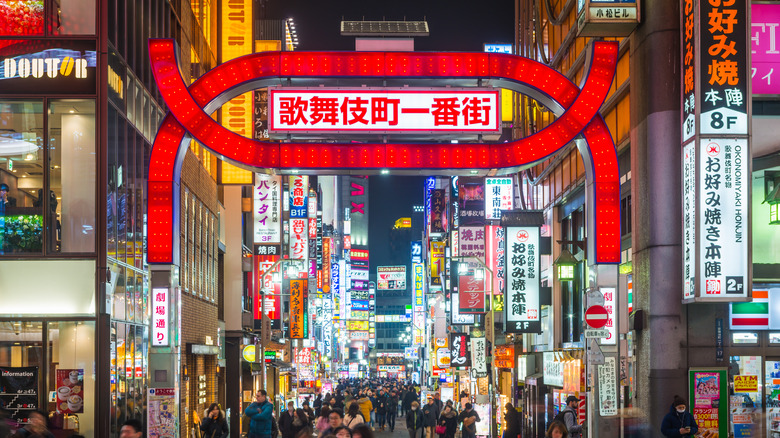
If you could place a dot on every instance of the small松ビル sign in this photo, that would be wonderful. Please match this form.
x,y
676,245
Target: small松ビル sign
x,y
383,110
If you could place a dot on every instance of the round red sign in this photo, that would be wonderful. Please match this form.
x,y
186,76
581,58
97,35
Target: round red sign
x,y
596,316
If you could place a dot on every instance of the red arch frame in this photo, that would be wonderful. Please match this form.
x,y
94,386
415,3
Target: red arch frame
x,y
188,116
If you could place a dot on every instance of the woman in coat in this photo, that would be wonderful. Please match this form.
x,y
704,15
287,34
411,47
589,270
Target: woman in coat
x,y
449,419
214,425
353,417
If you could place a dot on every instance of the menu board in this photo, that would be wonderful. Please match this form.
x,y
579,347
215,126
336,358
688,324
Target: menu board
x,y
19,391
70,391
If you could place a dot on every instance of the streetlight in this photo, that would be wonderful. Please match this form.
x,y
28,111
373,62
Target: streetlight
x,y
492,331
565,264
259,347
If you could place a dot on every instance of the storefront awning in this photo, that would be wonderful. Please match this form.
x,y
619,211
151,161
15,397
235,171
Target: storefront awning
x,y
284,367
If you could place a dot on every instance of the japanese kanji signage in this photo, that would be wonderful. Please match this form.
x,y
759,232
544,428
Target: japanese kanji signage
x,y
716,149
438,211
765,58
715,58
459,350
716,258
298,297
495,256
299,240
456,317
161,331
418,302
471,292
608,401
299,196
471,241
267,208
471,201
498,196
612,315
271,290
437,262
524,281
504,356
383,110
478,357
607,17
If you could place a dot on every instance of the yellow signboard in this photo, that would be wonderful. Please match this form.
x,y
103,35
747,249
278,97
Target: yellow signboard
x,y
745,384
357,325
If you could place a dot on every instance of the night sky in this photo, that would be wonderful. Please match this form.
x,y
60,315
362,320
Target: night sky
x,y
455,25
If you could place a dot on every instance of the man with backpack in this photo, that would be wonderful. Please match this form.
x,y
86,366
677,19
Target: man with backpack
x,y
568,417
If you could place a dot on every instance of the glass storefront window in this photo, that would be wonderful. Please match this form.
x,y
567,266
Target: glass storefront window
x,y
744,338
71,376
774,338
745,395
73,17
21,17
71,200
21,173
21,354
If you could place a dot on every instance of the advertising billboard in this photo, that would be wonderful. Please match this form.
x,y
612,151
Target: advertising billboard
x,y
391,278
524,282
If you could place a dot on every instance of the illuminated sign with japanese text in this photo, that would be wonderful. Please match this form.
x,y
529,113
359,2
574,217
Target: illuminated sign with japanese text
x,y
459,350
524,280
391,277
765,56
471,241
498,196
418,302
437,262
267,208
495,256
610,301
161,331
383,110
576,113
299,196
478,357
298,304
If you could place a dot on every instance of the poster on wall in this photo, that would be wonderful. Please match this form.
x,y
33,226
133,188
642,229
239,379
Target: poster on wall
x,y
162,420
19,391
608,402
708,395
70,391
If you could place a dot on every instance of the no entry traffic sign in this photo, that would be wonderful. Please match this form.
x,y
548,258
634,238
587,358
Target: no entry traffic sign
x,y
596,316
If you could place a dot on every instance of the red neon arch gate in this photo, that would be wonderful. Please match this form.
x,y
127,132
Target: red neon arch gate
x,y
189,108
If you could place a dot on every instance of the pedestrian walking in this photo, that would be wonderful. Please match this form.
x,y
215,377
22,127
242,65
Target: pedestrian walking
x,y
317,404
430,418
448,421
392,410
37,427
354,417
362,431
568,417
512,421
469,417
557,430
414,421
322,421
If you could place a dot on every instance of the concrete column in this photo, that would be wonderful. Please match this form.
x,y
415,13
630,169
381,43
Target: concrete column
x,y
657,196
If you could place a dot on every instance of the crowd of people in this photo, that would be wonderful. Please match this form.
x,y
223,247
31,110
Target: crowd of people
x,y
358,408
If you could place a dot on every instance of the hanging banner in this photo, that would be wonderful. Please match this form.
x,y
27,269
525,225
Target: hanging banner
x,y
298,291
471,242
608,401
459,354
271,291
418,303
709,398
457,317
495,256
498,196
478,358
504,356
299,240
437,262
267,209
612,316
471,292
161,330
521,311
299,196
471,201
438,211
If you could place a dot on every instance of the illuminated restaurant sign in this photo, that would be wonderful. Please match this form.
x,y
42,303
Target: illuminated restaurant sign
x,y
524,280
716,150
299,291
47,66
383,110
